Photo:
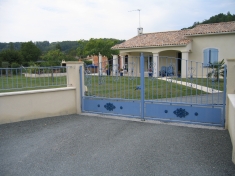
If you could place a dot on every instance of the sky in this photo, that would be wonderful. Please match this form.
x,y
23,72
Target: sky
x,y
72,20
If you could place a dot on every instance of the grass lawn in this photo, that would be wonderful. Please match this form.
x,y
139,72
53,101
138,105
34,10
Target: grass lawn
x,y
112,87
205,82
124,87
18,83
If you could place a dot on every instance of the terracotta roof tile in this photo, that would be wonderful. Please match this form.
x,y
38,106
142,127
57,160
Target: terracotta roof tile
x,y
175,37
155,39
212,28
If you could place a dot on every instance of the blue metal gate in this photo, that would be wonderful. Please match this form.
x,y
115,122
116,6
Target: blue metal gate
x,y
158,89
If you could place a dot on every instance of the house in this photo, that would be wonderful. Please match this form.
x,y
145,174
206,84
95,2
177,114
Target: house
x,y
104,63
196,47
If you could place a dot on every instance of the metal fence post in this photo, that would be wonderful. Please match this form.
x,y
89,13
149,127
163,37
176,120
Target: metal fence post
x,y
81,87
224,96
142,86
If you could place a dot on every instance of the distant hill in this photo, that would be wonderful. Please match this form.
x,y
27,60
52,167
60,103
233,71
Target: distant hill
x,y
215,19
5,46
44,46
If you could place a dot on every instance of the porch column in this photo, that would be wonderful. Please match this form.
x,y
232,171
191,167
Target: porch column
x,y
155,64
122,62
115,65
100,64
184,64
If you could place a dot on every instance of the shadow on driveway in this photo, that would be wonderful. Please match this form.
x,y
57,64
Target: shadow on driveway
x,y
89,145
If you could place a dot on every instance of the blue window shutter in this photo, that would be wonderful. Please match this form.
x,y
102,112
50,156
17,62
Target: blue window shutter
x,y
206,57
214,55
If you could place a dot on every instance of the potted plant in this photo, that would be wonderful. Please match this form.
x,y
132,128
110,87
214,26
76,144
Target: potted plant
x,y
150,72
107,67
121,72
217,70
179,74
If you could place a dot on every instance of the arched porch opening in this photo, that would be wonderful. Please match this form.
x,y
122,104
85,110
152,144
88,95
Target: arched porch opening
x,y
171,61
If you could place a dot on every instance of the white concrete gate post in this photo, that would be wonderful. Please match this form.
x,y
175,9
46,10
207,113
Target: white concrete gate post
x,y
73,80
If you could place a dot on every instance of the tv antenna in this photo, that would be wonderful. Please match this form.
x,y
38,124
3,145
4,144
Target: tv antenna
x,y
139,14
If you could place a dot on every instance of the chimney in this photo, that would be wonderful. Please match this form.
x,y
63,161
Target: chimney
x,y
140,30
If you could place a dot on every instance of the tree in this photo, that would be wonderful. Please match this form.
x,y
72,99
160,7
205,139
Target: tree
x,y
12,47
43,46
72,52
81,48
58,47
11,56
102,46
30,51
52,58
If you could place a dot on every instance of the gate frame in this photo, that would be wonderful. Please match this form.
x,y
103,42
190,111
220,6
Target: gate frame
x,y
143,103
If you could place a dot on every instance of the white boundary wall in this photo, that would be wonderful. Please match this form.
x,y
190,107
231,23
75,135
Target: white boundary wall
x,y
35,104
231,121
230,104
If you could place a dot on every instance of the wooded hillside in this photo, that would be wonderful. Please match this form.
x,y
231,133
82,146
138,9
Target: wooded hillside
x,y
215,19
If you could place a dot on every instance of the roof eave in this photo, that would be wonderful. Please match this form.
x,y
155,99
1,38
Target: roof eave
x,y
221,33
162,46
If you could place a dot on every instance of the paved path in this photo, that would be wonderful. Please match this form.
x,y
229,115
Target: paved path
x,y
88,145
215,98
188,84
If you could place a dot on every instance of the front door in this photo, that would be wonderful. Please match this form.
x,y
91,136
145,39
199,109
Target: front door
x,y
179,57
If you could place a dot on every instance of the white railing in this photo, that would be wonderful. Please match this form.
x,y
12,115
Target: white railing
x,y
25,78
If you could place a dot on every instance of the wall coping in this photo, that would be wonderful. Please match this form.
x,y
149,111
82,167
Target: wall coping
x,y
36,91
231,97
230,59
74,62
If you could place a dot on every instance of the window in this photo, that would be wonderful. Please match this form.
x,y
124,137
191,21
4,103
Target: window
x,y
210,56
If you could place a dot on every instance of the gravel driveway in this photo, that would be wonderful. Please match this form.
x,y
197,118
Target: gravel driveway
x,y
91,145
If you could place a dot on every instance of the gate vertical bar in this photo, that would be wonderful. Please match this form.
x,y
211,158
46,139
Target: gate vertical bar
x,y
81,88
224,96
142,86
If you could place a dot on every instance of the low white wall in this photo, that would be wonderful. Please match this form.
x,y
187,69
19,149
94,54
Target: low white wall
x,y
231,121
35,104
230,103
45,75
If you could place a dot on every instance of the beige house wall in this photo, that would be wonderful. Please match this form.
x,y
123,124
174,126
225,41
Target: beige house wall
x,y
224,43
